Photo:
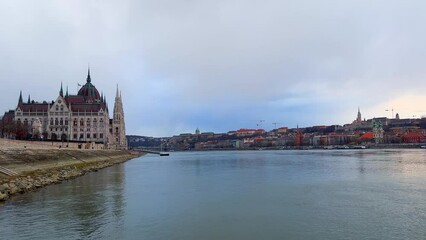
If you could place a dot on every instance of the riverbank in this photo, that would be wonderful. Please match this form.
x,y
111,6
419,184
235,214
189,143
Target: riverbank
x,y
39,167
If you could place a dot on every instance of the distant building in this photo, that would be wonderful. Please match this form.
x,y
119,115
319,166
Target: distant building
x,y
82,117
197,131
358,118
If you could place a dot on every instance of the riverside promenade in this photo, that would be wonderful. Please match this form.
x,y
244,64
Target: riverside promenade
x,y
26,166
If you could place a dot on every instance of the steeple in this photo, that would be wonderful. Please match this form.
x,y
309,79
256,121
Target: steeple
x,y
66,94
88,76
102,96
358,118
119,134
20,97
61,92
29,99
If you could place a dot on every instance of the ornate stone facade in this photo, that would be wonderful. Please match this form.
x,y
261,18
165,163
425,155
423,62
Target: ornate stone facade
x,y
118,131
83,117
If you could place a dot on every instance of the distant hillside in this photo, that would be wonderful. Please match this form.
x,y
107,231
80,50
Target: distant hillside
x,y
143,141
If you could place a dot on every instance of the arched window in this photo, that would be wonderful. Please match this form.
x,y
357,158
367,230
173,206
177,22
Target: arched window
x,y
88,122
51,121
66,121
61,122
56,121
75,122
81,122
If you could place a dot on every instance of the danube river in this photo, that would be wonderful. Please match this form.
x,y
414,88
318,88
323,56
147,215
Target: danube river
x,y
314,194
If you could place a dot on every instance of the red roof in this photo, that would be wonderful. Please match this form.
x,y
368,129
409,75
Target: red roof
x,y
34,107
245,130
413,134
87,107
367,135
74,99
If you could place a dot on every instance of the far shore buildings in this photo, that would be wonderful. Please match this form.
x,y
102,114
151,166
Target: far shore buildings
x,y
83,117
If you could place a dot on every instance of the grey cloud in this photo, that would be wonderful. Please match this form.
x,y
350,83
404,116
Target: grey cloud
x,y
251,59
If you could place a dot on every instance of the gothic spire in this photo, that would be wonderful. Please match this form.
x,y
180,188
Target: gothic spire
x,y
102,96
61,92
106,104
116,93
358,117
29,99
20,97
66,94
88,76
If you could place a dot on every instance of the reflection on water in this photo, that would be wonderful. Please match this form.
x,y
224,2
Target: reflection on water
x,y
346,194
75,209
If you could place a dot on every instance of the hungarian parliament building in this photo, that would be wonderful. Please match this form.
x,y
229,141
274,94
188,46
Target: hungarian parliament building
x,y
82,118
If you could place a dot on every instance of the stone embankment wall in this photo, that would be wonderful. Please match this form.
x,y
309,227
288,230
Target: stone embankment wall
x,y
40,167
9,143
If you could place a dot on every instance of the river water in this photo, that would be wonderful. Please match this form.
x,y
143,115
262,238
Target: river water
x,y
314,194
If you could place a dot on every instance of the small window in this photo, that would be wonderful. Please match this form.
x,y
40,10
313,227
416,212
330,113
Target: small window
x,y
88,135
101,135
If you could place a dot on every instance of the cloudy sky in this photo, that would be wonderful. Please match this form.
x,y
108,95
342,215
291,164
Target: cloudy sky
x,y
221,65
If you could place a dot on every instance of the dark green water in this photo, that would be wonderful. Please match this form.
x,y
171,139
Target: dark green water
x,y
347,194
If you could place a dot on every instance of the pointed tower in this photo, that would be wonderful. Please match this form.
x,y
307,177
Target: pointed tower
x,y
88,79
358,118
61,92
20,101
66,94
119,127
29,99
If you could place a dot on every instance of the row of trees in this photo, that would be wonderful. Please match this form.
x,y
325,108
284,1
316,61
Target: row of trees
x,y
13,129
21,131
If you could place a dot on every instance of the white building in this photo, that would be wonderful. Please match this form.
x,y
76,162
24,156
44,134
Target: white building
x,y
83,117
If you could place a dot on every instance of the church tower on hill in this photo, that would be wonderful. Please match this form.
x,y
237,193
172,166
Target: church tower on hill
x,y
119,127
358,118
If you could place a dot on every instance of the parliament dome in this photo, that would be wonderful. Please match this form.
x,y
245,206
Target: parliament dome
x,y
88,90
